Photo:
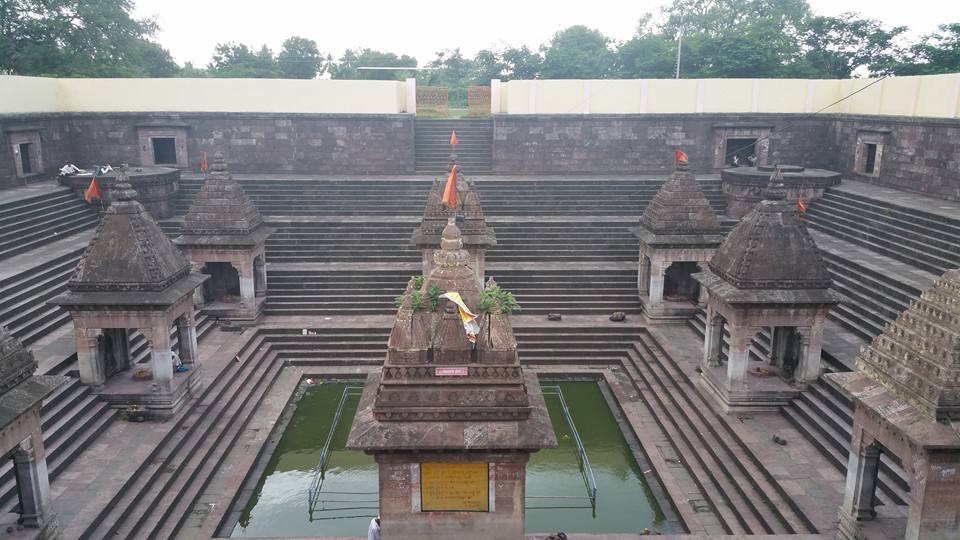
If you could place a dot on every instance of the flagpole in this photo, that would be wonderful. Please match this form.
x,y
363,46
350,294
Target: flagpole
x,y
679,43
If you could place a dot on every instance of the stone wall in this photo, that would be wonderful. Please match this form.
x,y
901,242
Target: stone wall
x,y
252,142
920,155
643,143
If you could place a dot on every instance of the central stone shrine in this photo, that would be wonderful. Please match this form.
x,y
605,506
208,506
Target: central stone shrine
x,y
477,236
451,422
743,186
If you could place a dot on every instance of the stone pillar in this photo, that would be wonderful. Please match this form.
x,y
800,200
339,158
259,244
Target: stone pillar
x,y
811,343
738,356
712,339
247,291
657,268
862,468
778,344
89,359
33,483
934,496
260,276
187,331
158,339
643,274
199,298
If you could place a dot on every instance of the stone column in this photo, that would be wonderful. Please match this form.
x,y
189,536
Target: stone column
x,y
33,483
260,275
712,339
187,331
778,344
199,298
247,292
158,339
738,356
657,268
934,495
643,274
811,343
89,359
862,468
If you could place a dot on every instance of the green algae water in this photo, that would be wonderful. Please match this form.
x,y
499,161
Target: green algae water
x,y
556,490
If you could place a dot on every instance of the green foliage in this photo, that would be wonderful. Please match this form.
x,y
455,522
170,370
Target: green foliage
x,y
94,38
299,58
496,298
433,294
416,301
417,282
346,68
936,53
577,52
239,61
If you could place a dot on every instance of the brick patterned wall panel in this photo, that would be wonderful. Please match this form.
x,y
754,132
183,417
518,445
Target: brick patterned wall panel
x,y
433,100
478,101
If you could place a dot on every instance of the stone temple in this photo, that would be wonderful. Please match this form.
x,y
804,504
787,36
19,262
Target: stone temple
x,y
273,324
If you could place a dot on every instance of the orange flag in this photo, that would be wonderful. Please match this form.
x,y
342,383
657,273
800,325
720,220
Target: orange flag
x,y
681,157
800,206
450,191
453,138
92,192
203,163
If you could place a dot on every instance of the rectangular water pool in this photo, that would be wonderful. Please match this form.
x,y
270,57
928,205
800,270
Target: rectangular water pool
x,y
557,494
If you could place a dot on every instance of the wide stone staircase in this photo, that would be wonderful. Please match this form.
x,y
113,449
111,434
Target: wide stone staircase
x,y
432,145
31,222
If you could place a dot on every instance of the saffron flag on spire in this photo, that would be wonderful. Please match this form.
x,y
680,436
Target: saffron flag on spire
x,y
92,192
681,157
204,165
450,190
800,206
453,138
470,326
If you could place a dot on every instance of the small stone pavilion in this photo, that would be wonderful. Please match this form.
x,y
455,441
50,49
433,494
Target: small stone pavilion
x,y
767,274
451,423
131,277
21,396
677,232
477,236
906,393
223,235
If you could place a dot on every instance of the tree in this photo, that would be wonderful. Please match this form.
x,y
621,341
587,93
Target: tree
x,y
299,58
936,53
346,68
94,38
577,52
487,65
521,63
836,47
238,61
646,56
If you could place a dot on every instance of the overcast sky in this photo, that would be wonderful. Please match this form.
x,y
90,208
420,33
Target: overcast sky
x,y
191,28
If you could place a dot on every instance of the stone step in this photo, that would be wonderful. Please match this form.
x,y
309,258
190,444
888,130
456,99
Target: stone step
x,y
879,205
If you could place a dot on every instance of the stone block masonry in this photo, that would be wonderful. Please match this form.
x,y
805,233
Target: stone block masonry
x,y
252,142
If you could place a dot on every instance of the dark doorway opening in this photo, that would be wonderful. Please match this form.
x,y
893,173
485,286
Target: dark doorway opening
x,y
25,164
224,282
870,163
678,286
164,150
741,152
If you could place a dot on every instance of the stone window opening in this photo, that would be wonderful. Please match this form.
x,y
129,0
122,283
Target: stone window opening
x,y
678,286
164,150
741,151
27,152
871,159
868,157
25,164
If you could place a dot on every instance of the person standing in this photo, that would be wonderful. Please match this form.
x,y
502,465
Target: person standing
x,y
373,532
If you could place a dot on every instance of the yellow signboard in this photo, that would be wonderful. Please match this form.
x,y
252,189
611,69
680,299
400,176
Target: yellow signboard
x,y
454,487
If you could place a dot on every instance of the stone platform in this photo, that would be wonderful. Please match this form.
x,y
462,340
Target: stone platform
x,y
156,188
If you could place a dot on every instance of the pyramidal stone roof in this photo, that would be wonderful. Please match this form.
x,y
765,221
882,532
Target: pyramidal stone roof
x,y
128,251
771,248
436,214
221,208
917,357
679,207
